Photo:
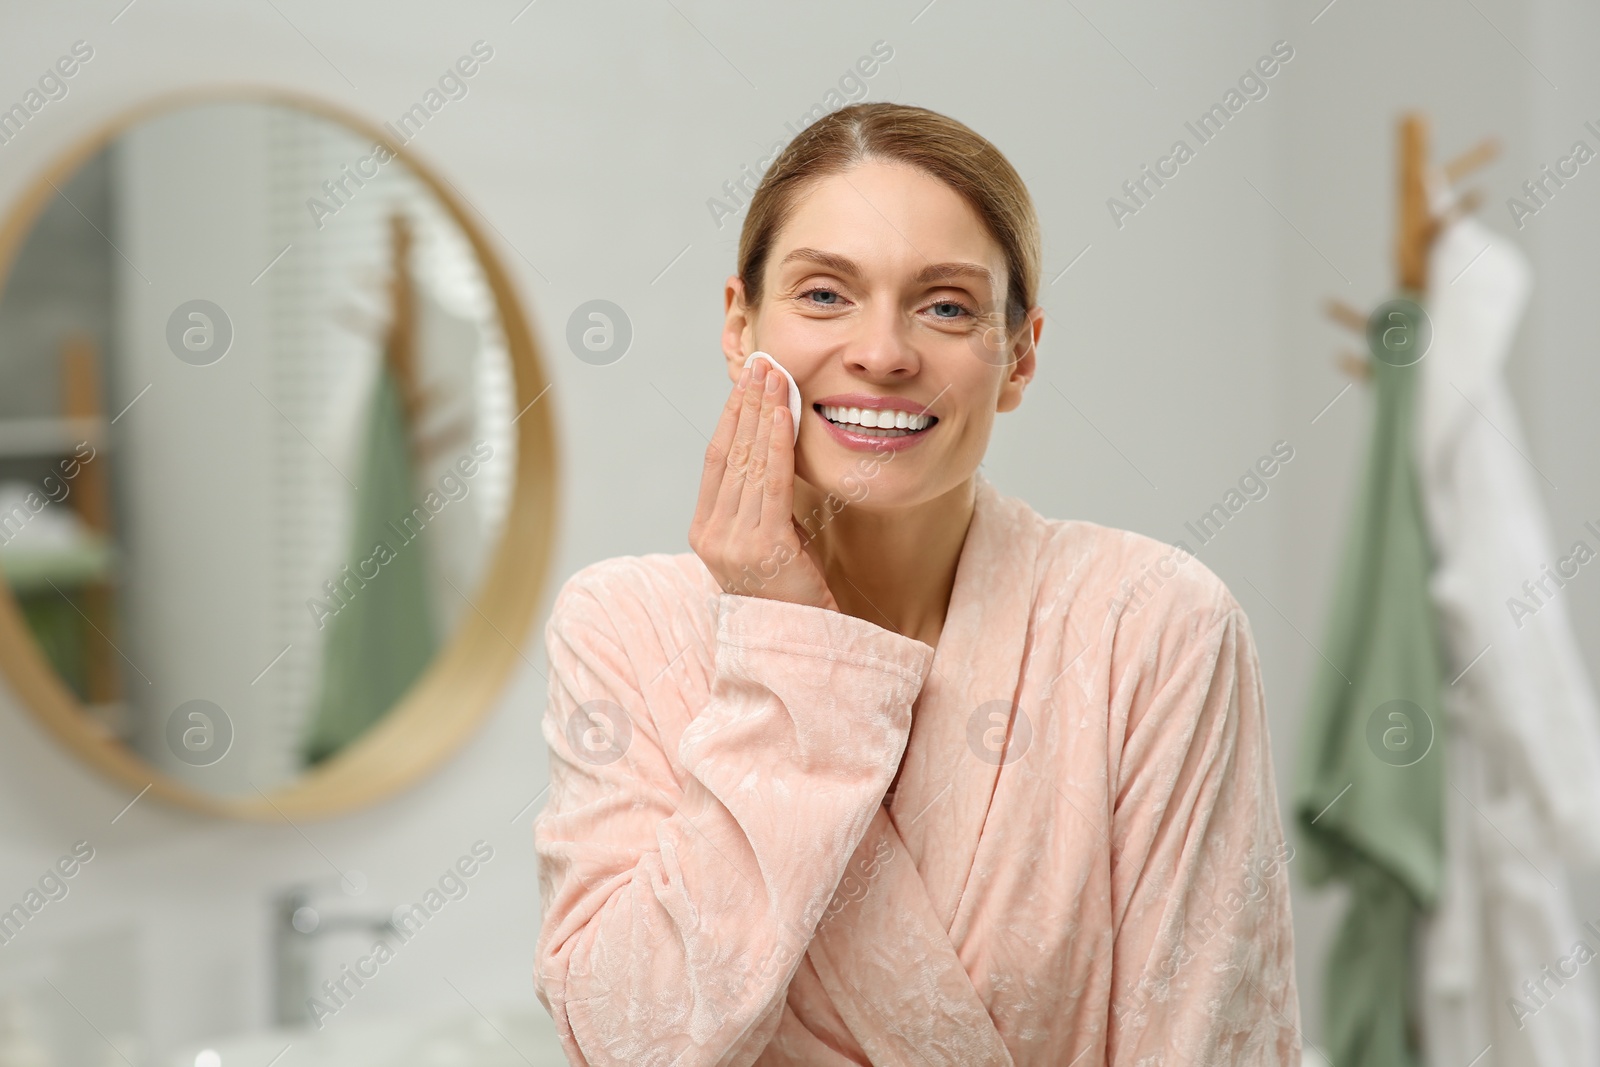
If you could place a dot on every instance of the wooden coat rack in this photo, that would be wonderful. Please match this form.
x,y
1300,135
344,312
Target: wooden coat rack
x,y
1417,226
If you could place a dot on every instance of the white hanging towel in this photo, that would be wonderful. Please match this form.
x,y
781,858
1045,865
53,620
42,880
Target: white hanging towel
x,y
1508,965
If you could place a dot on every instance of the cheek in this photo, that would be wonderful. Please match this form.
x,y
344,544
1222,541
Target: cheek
x,y
974,413
971,436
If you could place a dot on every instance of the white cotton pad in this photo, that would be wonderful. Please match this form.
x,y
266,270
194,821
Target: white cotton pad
x,y
794,389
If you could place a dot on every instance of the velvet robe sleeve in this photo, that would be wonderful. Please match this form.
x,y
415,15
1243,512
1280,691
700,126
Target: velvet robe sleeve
x,y
682,883
1203,956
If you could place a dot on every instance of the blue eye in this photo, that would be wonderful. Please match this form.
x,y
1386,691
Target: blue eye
x,y
959,309
821,292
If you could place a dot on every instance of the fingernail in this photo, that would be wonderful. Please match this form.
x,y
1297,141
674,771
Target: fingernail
x,y
744,378
772,383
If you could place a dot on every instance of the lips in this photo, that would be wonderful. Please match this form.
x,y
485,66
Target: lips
x,y
879,403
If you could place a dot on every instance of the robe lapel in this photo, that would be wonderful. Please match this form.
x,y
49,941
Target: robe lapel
x,y
884,950
890,970
964,715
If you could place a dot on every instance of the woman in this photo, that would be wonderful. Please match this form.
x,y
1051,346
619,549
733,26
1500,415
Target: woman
x,y
890,769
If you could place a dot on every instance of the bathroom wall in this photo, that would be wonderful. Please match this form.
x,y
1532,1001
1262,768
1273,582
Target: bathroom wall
x,y
1182,343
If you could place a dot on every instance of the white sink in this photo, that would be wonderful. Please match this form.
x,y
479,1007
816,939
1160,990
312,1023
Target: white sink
x,y
522,1036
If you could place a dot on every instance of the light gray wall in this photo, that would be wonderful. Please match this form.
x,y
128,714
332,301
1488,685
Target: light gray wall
x,y
1178,349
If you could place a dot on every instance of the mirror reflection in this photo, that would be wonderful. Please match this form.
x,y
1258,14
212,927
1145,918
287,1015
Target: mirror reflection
x,y
256,439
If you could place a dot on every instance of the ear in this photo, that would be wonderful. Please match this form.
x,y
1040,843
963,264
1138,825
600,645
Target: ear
x,y
738,328
1024,361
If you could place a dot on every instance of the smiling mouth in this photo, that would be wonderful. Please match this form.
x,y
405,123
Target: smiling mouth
x,y
877,422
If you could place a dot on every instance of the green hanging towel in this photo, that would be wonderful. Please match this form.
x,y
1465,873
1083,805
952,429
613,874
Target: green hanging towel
x,y
1369,802
380,638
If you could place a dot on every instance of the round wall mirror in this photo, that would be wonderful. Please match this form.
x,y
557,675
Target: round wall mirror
x,y
276,491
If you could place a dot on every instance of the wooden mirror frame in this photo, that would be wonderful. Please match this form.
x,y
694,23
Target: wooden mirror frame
x,y
450,699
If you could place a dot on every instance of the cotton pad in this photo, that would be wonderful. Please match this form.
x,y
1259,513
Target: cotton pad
x,y
794,389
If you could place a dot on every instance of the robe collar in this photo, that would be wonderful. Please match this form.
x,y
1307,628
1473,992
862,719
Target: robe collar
x,y
964,721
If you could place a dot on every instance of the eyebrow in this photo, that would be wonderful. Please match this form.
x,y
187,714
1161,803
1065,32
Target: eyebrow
x,y
933,272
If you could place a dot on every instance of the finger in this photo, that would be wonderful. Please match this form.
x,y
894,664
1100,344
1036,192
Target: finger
x,y
777,504
744,436
717,451
783,386
755,474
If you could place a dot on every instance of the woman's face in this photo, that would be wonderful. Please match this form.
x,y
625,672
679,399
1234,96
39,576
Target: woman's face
x,y
883,294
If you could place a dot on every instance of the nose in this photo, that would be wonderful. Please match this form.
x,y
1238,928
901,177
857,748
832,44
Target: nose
x,y
881,353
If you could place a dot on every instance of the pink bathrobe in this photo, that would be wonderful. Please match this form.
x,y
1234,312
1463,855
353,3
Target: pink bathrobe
x,y
1082,864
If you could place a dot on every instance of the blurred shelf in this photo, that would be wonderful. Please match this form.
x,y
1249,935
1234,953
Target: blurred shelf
x,y
28,568
49,436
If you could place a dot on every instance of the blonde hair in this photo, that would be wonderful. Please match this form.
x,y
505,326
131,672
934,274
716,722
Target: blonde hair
x,y
936,144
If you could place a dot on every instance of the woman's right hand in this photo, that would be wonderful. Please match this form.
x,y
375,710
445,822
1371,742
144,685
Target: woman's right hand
x,y
744,528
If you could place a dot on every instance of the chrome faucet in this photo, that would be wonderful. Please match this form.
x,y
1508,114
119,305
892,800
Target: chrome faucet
x,y
297,925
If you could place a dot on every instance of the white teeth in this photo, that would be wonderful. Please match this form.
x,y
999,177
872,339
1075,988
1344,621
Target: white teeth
x,y
877,418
